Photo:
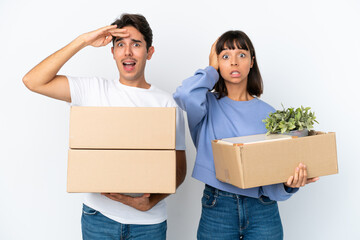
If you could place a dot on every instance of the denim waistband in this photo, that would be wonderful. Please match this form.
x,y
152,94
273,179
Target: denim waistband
x,y
217,191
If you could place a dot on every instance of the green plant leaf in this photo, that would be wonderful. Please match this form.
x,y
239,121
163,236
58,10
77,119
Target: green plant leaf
x,y
290,119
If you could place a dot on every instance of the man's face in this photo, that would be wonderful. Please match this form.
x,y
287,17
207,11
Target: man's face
x,y
130,55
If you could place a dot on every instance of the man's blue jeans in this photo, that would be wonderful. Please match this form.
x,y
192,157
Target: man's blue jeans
x,y
228,216
96,226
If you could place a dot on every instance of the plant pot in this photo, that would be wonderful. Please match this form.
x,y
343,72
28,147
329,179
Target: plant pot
x,y
298,133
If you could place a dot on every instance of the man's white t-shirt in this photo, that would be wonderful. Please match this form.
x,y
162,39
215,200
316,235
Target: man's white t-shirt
x,y
95,91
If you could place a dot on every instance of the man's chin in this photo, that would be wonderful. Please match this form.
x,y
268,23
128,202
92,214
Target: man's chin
x,y
129,79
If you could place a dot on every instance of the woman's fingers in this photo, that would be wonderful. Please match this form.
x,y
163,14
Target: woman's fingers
x,y
312,180
305,176
296,176
290,181
300,177
213,58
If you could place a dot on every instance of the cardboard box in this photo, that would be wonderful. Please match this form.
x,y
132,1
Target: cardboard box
x,y
122,150
122,171
260,163
122,128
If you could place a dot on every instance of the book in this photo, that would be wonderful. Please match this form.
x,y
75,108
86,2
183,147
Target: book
x,y
253,139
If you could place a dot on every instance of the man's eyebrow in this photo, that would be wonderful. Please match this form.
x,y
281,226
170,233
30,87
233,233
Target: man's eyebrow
x,y
133,40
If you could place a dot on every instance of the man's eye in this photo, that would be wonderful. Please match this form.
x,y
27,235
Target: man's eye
x,y
120,44
136,45
225,56
242,55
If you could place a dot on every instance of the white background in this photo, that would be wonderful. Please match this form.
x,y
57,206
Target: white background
x,y
308,52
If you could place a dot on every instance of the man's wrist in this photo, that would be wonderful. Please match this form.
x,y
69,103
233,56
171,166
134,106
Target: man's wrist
x,y
156,198
80,42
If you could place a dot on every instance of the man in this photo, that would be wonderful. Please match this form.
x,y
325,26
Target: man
x,y
113,215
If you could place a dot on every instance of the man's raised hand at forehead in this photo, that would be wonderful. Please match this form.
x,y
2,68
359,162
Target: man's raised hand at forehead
x,y
43,77
103,36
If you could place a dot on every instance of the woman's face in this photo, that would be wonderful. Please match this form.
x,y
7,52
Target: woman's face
x,y
235,65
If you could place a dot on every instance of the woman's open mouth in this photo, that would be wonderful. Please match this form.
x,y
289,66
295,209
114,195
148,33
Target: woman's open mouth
x,y
235,74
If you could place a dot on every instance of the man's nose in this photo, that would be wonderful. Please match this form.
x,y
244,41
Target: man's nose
x,y
128,51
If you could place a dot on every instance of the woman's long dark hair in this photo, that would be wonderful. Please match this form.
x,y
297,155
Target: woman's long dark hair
x,y
233,40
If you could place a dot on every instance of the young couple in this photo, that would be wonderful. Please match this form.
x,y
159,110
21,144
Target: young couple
x,y
231,109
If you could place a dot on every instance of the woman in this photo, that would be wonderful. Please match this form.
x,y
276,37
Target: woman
x,y
222,101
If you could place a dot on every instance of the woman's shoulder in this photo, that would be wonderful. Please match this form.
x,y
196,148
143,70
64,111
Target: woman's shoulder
x,y
212,96
265,106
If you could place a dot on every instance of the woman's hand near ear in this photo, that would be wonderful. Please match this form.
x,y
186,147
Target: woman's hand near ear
x,y
213,57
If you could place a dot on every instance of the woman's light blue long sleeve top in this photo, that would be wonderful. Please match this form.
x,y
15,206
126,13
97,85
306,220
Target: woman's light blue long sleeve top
x,y
210,118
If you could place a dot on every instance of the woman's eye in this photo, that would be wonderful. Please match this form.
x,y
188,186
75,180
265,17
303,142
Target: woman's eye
x,y
242,55
225,56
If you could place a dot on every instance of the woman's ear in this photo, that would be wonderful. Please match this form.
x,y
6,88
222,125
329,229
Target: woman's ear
x,y
252,61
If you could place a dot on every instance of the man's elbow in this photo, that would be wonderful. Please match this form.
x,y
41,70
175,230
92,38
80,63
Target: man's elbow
x,y
180,167
28,83
182,176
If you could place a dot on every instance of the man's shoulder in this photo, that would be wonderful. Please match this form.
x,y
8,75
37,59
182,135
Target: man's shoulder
x,y
163,95
88,79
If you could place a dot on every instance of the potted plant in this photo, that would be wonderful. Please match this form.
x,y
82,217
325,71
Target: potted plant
x,y
291,121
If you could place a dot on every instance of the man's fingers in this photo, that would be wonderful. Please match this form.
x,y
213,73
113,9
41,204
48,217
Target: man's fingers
x,y
115,196
108,40
107,28
120,35
113,30
119,30
108,195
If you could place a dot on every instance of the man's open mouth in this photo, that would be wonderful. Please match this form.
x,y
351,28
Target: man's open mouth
x,y
129,65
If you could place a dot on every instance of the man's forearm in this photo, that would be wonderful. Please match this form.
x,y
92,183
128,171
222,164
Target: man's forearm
x,y
180,177
180,167
45,71
146,202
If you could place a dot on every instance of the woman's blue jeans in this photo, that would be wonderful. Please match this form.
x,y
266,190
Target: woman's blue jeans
x,y
228,216
96,226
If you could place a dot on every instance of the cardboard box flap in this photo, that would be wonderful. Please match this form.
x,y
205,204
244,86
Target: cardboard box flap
x,y
228,159
122,128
